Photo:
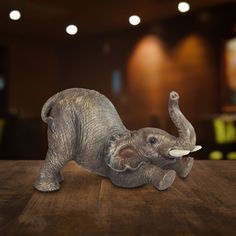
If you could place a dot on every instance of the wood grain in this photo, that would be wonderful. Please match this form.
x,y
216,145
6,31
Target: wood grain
x,y
87,204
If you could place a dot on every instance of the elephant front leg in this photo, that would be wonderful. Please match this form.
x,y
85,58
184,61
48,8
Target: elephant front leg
x,y
146,174
182,166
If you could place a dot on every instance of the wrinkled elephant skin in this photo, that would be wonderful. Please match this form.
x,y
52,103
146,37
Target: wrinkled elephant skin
x,y
84,126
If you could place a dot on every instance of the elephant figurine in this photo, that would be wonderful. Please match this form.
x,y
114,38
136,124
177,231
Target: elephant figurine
x,y
84,126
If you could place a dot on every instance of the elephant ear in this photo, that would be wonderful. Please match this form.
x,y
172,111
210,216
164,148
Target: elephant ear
x,y
127,153
122,156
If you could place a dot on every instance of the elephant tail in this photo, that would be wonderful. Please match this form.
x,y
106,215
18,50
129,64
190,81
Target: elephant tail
x,y
47,107
52,100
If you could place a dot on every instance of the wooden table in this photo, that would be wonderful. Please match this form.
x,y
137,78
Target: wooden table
x,y
87,204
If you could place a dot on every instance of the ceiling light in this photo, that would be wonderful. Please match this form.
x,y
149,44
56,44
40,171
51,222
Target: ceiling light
x,y
71,29
134,20
183,7
14,15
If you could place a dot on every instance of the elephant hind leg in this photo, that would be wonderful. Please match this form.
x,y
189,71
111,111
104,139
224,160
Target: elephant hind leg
x,y
146,174
61,144
49,177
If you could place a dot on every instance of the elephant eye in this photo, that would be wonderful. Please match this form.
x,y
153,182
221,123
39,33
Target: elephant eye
x,y
152,140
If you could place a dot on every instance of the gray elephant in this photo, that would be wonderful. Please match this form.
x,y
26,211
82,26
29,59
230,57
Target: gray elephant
x,y
84,126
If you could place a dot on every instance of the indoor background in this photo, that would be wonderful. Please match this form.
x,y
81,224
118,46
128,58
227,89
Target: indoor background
x,y
189,48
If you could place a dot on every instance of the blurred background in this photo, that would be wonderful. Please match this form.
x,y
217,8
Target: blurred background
x,y
134,52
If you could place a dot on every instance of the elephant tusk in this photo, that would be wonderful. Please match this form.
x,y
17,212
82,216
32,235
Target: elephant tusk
x,y
196,148
178,153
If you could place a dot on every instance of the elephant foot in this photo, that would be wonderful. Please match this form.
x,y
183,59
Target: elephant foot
x,y
47,185
186,166
167,180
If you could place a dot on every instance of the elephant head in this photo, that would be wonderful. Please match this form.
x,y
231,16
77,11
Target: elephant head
x,y
131,149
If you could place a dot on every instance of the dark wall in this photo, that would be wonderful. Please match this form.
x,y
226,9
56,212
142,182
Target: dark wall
x,y
178,54
35,73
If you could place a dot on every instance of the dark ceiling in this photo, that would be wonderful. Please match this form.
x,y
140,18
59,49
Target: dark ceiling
x,y
48,19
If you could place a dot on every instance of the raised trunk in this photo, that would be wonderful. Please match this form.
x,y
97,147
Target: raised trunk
x,y
187,137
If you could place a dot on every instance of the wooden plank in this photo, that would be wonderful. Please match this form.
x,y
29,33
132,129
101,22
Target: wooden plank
x,y
15,190
87,204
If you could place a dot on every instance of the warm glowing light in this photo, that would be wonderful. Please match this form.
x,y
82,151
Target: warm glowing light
x,y
183,7
71,29
15,15
134,20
